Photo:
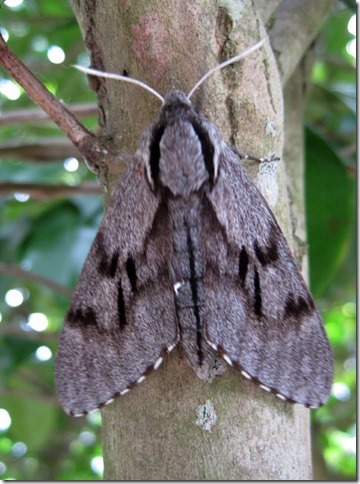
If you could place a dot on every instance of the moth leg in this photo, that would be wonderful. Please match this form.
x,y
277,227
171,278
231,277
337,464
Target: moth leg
x,y
245,156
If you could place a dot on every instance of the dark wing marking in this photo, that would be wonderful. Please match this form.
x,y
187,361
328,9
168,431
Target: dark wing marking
x,y
259,313
122,319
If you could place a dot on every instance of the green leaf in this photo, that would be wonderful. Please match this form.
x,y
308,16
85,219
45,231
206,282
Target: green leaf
x,y
329,206
58,244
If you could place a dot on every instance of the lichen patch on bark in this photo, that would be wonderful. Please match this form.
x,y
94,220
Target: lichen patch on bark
x,y
206,416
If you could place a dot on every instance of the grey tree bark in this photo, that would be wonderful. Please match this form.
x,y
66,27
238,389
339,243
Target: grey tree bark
x,y
158,431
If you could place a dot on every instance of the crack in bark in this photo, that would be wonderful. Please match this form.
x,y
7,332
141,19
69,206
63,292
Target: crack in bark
x,y
268,84
97,84
224,26
233,117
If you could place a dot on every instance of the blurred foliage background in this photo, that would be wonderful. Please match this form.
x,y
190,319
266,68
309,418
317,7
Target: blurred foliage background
x,y
45,236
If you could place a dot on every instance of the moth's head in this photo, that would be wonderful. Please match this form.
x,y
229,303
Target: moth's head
x,y
183,152
176,98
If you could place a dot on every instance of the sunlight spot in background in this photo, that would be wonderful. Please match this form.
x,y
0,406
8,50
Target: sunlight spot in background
x,y
0,317
349,444
43,353
349,310
344,440
351,48
341,391
351,45
4,34
21,197
83,59
350,364
14,298
19,449
97,465
37,322
5,419
13,3
94,418
9,89
55,54
352,25
71,164
87,438
2,468
39,43
26,264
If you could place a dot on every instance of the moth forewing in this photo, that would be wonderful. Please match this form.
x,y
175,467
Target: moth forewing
x,y
260,314
122,317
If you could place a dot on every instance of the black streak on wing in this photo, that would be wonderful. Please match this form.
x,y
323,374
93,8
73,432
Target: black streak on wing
x,y
243,265
102,267
78,316
155,151
207,148
298,308
113,263
107,267
121,306
193,285
257,294
266,255
131,272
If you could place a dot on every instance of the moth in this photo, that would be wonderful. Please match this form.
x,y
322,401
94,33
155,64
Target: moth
x,y
190,254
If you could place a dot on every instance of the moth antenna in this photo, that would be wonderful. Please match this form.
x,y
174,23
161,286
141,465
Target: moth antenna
x,y
224,64
119,77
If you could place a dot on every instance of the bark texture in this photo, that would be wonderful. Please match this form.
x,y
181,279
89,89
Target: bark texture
x,y
160,430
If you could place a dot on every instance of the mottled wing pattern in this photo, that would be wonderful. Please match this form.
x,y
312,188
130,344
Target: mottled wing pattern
x,y
259,313
122,319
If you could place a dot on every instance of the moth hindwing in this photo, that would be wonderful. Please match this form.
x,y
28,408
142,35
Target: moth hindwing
x,y
189,252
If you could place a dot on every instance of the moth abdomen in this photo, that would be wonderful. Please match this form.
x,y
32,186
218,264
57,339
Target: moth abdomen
x,y
187,269
195,281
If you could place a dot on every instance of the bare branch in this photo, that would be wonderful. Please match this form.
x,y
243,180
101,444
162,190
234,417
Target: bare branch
x,y
50,191
86,142
266,9
48,149
32,116
42,337
26,395
348,150
16,271
304,20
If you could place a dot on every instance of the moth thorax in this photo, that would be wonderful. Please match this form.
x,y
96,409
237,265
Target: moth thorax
x,y
182,168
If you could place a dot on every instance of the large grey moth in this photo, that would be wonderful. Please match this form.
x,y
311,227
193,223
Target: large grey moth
x,y
190,254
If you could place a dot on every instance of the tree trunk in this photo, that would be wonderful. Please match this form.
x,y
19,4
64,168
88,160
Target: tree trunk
x,y
161,429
